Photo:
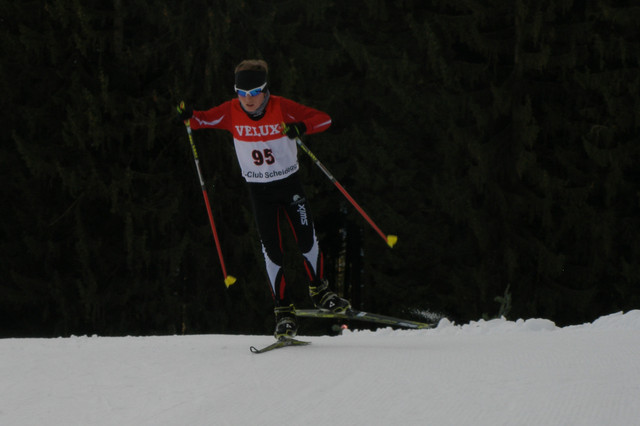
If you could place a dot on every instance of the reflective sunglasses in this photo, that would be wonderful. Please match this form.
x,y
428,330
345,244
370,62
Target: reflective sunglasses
x,y
252,92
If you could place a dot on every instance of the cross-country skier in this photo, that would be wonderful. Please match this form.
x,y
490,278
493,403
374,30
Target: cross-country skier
x,y
264,129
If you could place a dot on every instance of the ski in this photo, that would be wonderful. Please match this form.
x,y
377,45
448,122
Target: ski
x,y
352,314
280,343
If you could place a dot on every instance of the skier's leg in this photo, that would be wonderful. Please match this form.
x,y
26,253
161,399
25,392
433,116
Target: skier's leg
x,y
301,222
299,215
267,216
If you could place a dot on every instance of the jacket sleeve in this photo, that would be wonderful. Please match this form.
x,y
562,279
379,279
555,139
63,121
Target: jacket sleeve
x,y
218,117
316,121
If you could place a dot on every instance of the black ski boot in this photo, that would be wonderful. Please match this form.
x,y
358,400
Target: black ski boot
x,y
326,300
286,323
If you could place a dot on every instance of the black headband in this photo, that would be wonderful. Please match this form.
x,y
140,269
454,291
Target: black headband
x,y
249,79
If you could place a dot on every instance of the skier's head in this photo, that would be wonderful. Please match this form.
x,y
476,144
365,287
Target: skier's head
x,y
251,74
251,84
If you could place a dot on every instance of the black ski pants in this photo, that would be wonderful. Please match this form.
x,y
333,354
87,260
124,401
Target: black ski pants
x,y
273,201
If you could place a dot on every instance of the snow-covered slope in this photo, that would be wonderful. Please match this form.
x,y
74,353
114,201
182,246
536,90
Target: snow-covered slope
x,y
484,373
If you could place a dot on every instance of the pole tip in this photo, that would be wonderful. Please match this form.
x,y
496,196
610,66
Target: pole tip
x,y
229,280
392,240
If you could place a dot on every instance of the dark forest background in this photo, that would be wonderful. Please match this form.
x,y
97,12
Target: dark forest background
x,y
498,140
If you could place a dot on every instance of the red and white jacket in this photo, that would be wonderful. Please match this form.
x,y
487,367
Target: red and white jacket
x,y
264,153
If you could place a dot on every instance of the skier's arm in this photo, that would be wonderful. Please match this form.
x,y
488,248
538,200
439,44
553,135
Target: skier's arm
x,y
315,121
218,117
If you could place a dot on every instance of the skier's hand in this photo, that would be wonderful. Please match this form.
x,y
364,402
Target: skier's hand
x,y
184,112
294,130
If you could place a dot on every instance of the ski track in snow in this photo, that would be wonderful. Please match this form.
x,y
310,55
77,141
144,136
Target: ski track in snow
x,y
495,372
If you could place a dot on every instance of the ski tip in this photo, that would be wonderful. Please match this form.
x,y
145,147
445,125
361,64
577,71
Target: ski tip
x,y
392,240
229,280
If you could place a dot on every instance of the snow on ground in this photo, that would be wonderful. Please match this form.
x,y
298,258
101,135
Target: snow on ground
x,y
495,372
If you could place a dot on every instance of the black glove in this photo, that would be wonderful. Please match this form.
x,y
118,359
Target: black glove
x,y
294,130
184,112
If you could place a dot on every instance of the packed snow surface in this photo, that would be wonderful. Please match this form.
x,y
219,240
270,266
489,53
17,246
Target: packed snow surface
x,y
498,372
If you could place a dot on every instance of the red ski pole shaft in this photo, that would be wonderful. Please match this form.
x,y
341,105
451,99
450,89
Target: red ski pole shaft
x,y
228,279
391,240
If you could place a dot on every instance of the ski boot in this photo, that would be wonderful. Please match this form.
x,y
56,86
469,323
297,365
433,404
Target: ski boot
x,y
326,300
286,323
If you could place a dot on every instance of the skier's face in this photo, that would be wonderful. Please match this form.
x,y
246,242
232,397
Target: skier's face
x,y
251,103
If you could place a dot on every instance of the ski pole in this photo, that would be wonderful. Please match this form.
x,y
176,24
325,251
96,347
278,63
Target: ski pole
x,y
391,240
228,279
